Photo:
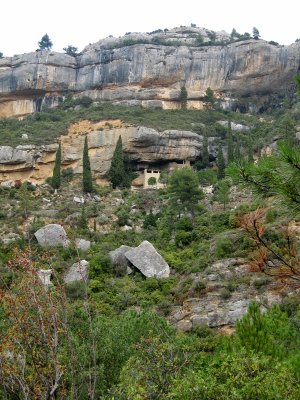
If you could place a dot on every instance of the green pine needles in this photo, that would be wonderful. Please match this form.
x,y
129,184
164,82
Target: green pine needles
x,y
86,171
56,177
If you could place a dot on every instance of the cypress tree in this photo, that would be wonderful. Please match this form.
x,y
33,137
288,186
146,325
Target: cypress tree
x,y
205,154
117,172
183,97
55,181
86,172
220,163
230,150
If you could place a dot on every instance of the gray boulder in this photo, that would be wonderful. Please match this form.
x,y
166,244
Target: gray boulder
x,y
119,259
82,244
52,235
147,260
77,272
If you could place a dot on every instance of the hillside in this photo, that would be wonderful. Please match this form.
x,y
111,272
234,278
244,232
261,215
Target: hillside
x,y
149,252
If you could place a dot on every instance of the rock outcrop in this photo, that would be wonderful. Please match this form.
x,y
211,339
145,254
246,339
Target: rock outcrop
x,y
52,235
148,69
77,272
143,145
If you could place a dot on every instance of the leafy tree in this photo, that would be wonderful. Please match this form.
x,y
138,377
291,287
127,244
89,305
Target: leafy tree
x,y
183,96
255,33
117,168
220,163
45,43
56,177
1,55
71,50
184,189
86,171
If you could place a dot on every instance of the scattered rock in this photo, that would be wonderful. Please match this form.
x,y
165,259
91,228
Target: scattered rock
x,y
10,238
52,235
44,276
7,184
82,244
77,272
24,136
147,260
119,259
79,200
126,228
184,325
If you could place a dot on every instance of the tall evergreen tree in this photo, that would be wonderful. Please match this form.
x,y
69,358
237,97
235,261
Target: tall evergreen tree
x,y
183,97
55,181
230,150
117,172
205,154
220,163
86,171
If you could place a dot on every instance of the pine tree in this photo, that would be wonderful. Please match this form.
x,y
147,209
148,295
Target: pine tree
x,y
220,163
86,172
117,169
45,43
55,181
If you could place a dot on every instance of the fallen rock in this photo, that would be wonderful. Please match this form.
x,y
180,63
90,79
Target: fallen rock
x,y
52,235
147,260
119,259
82,244
77,272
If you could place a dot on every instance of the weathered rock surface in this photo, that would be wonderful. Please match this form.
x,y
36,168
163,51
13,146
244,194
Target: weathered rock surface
x,y
44,276
82,244
119,259
52,235
145,145
150,74
77,272
147,260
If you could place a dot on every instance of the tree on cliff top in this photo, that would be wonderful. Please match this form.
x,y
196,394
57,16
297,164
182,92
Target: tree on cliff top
x,y
45,43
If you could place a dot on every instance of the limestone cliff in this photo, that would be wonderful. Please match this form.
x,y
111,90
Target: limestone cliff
x,y
145,146
148,69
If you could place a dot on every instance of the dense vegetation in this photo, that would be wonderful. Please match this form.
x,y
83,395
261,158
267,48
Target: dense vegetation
x,y
109,338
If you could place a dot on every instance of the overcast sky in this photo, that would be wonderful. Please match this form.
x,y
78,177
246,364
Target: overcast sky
x,y
78,23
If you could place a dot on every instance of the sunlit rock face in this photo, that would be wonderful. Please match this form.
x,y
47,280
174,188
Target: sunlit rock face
x,y
142,144
150,74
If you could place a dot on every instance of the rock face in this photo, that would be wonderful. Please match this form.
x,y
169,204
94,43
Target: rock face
x,y
143,145
147,260
147,69
52,235
77,272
